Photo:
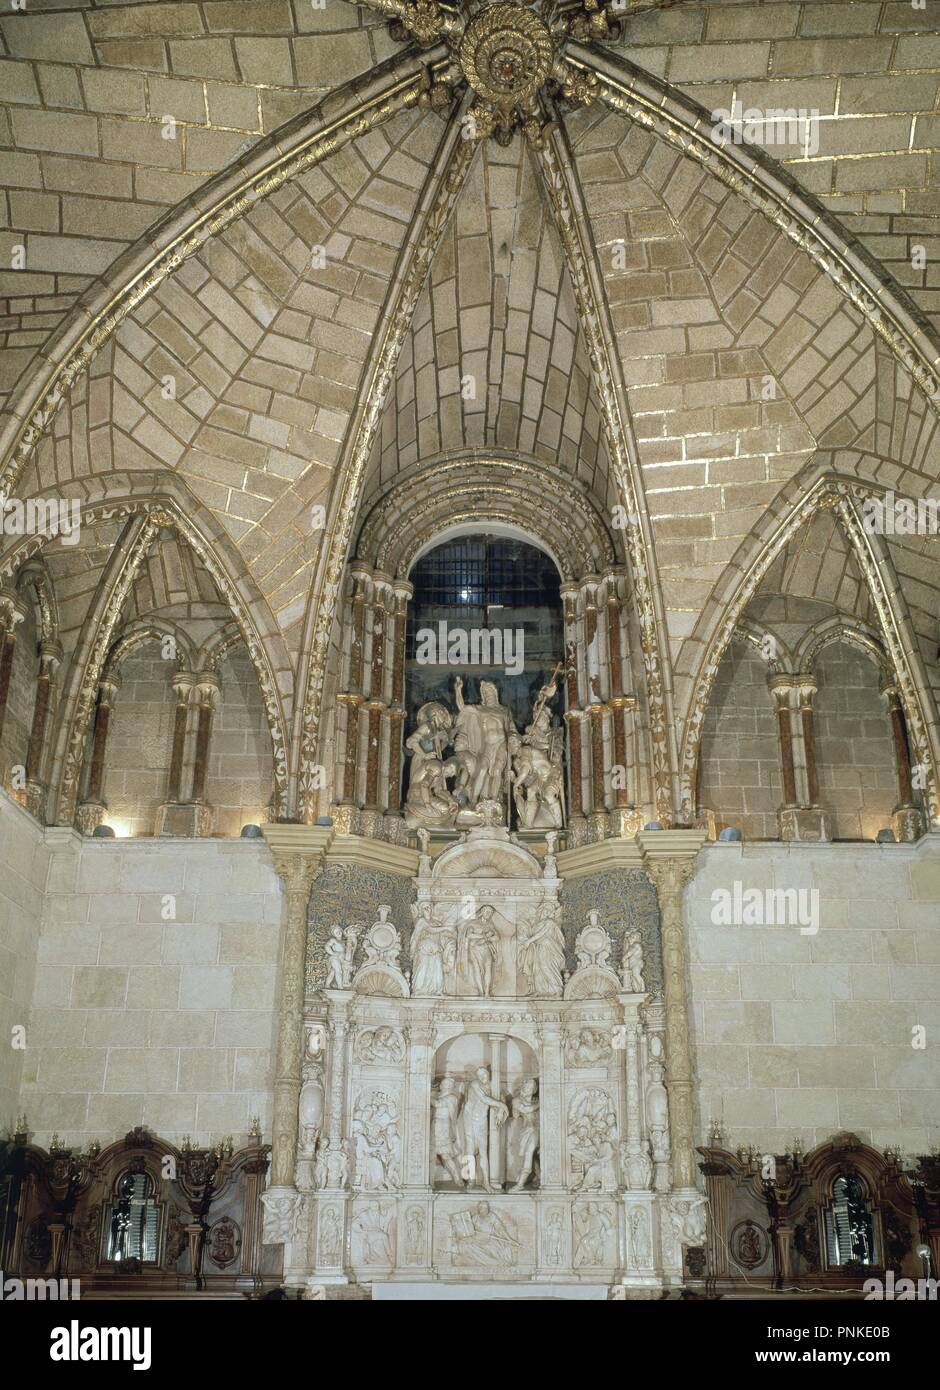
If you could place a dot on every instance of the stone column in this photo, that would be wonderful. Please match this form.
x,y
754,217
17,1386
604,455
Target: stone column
x,y
174,816
375,709
182,687
207,696
396,717
804,819
573,718
592,652
50,656
907,819
669,858
348,790
614,649
12,613
401,591
781,687
807,689
92,810
298,852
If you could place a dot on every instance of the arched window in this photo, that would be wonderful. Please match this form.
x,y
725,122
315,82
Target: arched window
x,y
477,585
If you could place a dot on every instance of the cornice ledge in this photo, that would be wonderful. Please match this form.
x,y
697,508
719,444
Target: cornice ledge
x,y
286,838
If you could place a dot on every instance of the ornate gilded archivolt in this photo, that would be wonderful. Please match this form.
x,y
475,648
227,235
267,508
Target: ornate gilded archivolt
x,y
845,499
445,492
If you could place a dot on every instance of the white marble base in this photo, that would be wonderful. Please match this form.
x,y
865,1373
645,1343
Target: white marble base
x,y
491,1293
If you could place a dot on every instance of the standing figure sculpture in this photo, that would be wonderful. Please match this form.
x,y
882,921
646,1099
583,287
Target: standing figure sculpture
x,y
525,1107
477,952
481,744
540,957
537,775
476,1123
446,1105
433,951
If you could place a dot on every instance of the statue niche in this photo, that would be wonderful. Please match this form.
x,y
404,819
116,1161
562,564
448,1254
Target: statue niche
x,y
489,761
485,1115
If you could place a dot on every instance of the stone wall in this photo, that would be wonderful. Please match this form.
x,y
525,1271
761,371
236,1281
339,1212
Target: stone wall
x,y
155,989
23,865
810,1034
740,754
858,783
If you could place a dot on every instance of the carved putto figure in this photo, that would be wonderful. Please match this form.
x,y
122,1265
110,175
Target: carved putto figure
x,y
587,1047
339,950
382,1044
632,967
540,956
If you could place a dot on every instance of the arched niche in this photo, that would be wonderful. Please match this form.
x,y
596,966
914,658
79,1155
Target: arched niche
x,y
510,1062
739,759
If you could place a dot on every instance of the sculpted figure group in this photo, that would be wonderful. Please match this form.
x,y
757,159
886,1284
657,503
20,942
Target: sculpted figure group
x,y
489,760
462,958
464,1118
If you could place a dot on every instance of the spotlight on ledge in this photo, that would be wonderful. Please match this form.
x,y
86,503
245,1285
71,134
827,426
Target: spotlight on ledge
x,y
103,832
252,832
731,833
653,825
885,837
324,820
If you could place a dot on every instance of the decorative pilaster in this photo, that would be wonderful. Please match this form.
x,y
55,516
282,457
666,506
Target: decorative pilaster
x,y
50,657
92,810
298,852
669,860
551,1070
